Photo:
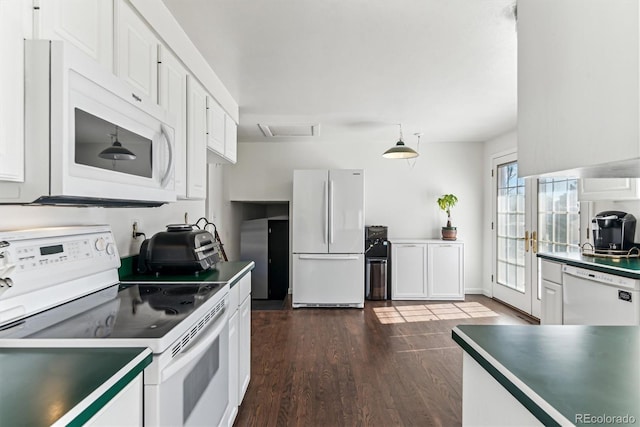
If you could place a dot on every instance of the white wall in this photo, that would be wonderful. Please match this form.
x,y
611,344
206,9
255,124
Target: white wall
x,y
500,145
150,220
396,195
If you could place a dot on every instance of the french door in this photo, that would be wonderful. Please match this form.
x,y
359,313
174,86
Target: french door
x,y
530,215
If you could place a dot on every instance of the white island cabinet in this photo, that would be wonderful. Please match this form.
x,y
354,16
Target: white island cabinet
x,y
427,269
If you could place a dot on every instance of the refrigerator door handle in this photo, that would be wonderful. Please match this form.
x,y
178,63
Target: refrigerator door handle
x,y
329,257
326,213
330,211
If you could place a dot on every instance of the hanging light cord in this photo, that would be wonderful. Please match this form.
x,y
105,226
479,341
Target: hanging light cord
x,y
412,162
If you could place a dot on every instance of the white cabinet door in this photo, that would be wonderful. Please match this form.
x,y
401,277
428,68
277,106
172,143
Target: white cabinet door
x,y
215,126
445,271
233,365
172,96
551,303
196,140
230,139
86,24
244,347
14,28
577,89
124,409
136,51
409,271
592,189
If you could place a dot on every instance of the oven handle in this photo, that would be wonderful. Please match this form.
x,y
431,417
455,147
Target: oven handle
x,y
196,350
167,137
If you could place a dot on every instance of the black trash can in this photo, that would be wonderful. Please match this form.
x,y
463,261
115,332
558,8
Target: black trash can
x,y
376,279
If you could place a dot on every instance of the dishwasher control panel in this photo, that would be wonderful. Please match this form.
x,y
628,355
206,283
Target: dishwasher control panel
x,y
601,277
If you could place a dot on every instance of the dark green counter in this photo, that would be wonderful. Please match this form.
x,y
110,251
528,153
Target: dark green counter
x,y
575,369
626,267
38,386
223,272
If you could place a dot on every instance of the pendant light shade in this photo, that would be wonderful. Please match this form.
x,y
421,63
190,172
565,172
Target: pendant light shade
x,y
400,151
116,151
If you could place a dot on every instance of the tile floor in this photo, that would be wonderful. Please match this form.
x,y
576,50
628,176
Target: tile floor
x,y
429,312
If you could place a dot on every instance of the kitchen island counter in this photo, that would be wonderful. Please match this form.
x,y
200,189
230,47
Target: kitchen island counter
x,y
560,374
64,386
223,272
625,267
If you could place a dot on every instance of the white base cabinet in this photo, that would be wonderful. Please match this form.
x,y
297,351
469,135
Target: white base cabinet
x,y
124,409
239,344
551,303
427,270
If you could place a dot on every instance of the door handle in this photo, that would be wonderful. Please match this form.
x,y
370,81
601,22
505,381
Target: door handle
x,y
526,240
534,242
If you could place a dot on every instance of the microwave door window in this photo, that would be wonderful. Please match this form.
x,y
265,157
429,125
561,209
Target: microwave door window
x,y
104,145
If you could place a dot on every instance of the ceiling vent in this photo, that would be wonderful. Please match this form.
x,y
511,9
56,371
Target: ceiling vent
x,y
298,130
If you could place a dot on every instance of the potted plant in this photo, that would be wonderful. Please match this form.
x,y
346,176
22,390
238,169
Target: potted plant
x,y
446,202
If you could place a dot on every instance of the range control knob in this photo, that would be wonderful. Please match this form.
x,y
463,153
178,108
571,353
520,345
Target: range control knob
x,y
100,244
111,249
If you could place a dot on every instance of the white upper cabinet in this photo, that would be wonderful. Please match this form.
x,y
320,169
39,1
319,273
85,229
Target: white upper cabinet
x,y
578,79
15,18
196,140
172,96
215,126
230,140
136,59
222,134
593,189
86,24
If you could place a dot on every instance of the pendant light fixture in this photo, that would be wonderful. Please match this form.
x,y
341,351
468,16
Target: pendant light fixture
x,y
116,151
400,151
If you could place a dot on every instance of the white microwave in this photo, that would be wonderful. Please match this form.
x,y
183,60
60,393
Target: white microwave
x,y
90,139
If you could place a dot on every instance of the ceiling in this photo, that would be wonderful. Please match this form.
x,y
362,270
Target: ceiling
x,y
445,68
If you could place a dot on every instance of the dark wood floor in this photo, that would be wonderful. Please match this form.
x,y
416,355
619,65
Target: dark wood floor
x,y
342,367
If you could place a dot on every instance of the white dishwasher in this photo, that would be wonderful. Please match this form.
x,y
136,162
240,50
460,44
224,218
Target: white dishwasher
x,y
594,298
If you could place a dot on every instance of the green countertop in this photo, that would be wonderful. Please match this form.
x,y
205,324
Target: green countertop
x,y
574,369
40,386
222,272
626,267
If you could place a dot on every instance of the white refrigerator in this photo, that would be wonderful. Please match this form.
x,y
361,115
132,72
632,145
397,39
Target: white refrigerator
x,y
328,238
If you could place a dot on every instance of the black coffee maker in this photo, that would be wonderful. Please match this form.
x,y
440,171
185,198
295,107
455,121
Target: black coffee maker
x,y
613,230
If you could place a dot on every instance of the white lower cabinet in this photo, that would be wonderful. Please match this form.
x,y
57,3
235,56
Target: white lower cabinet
x,y
427,270
233,367
551,299
124,409
239,344
244,338
445,271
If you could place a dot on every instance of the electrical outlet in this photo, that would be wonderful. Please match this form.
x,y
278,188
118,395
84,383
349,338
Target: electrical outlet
x,y
135,228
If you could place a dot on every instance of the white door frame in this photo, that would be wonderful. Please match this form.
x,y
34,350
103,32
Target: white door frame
x,y
528,300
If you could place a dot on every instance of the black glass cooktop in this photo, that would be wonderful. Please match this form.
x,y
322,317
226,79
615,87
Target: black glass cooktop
x,y
121,311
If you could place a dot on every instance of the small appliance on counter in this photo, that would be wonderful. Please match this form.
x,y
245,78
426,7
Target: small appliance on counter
x,y
613,231
181,248
377,257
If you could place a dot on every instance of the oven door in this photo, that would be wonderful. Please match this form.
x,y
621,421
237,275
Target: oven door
x,y
193,389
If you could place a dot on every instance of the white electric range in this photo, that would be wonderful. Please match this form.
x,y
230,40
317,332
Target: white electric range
x,y
59,288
